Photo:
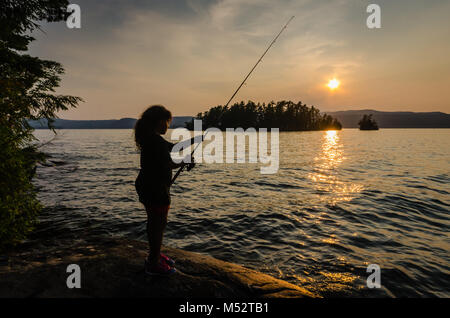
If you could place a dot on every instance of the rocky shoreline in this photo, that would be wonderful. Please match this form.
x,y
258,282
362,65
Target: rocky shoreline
x,y
113,267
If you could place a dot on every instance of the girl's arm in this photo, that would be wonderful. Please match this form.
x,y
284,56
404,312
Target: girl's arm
x,y
174,165
185,143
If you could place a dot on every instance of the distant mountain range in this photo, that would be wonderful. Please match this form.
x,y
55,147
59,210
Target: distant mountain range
x,y
124,123
348,119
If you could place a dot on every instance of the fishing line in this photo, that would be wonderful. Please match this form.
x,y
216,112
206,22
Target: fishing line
x,y
234,94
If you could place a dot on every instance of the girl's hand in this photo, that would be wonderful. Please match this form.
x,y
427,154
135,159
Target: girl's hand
x,y
191,165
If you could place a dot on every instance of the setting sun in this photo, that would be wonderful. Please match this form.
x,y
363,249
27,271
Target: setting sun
x,y
333,84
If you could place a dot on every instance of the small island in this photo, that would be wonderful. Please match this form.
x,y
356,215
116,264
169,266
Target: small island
x,y
284,115
368,123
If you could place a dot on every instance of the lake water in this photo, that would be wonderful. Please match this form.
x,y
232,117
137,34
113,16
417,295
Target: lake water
x,y
339,202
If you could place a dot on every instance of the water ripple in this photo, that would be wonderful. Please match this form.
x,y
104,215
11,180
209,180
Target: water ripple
x,y
340,201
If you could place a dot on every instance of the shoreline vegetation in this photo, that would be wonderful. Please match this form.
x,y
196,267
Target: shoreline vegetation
x,y
27,92
348,119
113,267
284,115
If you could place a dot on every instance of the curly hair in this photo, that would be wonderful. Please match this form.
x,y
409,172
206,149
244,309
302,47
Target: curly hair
x,y
146,124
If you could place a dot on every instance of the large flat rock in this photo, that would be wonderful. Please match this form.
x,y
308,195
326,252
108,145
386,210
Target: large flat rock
x,y
113,267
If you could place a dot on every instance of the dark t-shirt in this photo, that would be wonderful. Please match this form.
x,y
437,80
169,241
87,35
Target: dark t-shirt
x,y
153,181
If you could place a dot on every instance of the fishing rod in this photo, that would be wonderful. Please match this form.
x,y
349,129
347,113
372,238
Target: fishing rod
x,y
234,94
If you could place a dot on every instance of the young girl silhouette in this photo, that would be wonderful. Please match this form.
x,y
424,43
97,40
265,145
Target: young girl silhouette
x,y
154,181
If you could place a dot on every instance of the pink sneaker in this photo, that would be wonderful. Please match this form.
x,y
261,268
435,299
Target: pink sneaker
x,y
167,259
161,269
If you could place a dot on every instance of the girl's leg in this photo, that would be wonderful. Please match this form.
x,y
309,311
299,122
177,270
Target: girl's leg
x,y
156,223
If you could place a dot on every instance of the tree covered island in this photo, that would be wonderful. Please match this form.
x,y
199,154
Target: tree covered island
x,y
285,115
368,123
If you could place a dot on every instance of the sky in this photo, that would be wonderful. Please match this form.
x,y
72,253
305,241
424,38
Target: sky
x,y
190,55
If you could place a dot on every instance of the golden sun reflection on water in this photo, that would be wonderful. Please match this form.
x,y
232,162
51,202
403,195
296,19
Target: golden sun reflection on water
x,y
325,176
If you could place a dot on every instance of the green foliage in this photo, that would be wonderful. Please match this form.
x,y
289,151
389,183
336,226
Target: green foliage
x,y
285,115
368,123
18,204
27,91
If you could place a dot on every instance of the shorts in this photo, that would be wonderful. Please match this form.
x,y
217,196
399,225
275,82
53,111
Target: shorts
x,y
152,192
